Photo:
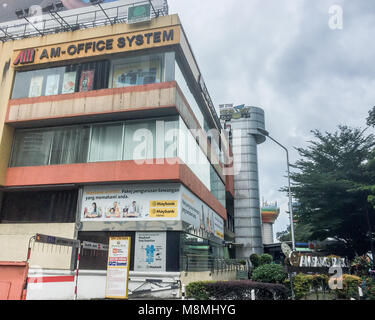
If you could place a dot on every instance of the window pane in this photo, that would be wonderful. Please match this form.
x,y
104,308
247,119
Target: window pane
x,y
170,139
182,83
140,141
70,145
32,148
39,206
106,143
192,155
137,71
61,80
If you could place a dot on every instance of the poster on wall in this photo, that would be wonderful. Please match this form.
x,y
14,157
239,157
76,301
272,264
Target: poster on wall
x,y
150,251
130,202
36,85
87,81
118,268
52,85
69,83
199,215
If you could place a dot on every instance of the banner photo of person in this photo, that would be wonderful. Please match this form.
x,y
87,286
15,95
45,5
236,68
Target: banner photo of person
x,y
130,202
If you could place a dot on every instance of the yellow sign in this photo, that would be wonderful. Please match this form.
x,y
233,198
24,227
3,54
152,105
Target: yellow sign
x,y
219,234
126,42
163,204
163,209
163,212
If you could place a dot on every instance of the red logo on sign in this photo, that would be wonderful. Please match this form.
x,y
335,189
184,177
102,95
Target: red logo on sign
x,y
25,56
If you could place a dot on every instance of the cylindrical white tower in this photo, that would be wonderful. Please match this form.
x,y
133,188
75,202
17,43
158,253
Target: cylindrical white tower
x,y
269,212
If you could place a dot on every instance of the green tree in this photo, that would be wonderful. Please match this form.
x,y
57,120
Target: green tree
x,y
371,164
371,118
330,183
302,233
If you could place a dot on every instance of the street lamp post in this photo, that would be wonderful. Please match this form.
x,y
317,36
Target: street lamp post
x,y
266,134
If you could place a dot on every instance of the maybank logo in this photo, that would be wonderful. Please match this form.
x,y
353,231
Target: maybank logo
x,y
24,57
163,209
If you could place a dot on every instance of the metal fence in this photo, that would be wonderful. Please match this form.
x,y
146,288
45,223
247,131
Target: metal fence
x,y
208,263
54,21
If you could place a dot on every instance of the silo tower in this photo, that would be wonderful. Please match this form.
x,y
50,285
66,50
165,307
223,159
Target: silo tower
x,y
241,124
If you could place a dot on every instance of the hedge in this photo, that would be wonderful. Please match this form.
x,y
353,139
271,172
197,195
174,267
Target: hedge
x,y
235,290
304,284
269,273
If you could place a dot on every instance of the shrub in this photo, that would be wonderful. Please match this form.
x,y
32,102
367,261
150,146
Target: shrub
x,y
302,284
269,273
320,281
265,258
361,265
236,290
369,289
255,260
197,290
350,287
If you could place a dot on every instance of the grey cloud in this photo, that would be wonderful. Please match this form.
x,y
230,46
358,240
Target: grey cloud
x,y
282,56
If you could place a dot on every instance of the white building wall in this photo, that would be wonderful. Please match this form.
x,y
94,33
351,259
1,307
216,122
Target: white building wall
x,y
267,229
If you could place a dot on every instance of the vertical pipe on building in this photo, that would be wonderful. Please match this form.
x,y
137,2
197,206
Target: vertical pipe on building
x,y
77,272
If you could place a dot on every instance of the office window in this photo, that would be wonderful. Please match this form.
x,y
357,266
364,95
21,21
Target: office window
x,y
70,145
140,140
32,148
182,83
106,142
129,140
61,80
139,70
39,207
50,146
170,139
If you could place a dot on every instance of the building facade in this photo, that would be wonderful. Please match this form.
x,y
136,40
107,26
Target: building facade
x,y
110,131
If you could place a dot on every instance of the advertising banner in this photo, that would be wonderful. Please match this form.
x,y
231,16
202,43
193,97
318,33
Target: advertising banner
x,y
201,216
158,202
118,268
130,202
150,251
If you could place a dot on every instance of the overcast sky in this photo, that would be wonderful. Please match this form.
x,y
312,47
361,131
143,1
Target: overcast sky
x,y
284,56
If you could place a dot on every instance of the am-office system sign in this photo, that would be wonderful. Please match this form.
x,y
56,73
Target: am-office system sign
x,y
118,268
118,43
149,202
